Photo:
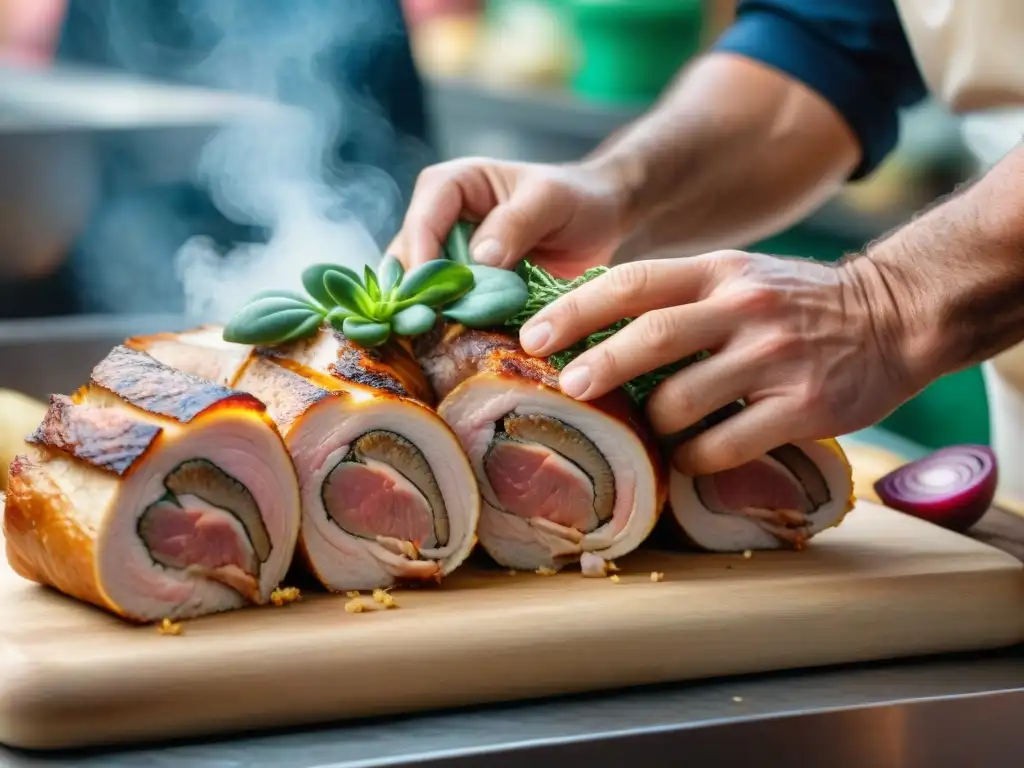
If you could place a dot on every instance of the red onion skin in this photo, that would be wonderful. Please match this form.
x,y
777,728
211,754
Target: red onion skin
x,y
957,510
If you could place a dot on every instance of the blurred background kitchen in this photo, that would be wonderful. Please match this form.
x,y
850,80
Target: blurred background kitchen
x,y
108,179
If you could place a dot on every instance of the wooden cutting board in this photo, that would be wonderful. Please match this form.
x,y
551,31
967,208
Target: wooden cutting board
x,y
882,585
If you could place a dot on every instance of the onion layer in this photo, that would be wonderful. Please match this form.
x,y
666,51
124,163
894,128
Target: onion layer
x,y
952,487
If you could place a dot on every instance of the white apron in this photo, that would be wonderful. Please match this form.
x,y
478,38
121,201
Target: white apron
x,y
971,56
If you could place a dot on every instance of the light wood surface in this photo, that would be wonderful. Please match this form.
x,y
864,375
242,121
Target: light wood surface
x,y
882,585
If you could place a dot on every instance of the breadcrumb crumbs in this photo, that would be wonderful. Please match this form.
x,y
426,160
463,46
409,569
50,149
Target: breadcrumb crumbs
x,y
747,554
543,571
352,594
354,606
384,597
168,627
284,595
656,576
614,579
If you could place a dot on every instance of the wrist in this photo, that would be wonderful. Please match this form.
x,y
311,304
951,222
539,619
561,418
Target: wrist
x,y
624,176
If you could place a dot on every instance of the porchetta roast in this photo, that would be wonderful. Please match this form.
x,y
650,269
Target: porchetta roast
x,y
153,494
781,499
561,479
388,495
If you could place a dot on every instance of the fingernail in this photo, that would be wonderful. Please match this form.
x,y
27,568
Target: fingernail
x,y
534,337
488,253
575,381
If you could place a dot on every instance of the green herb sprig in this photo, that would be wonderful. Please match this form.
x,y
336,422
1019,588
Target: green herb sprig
x,y
369,308
544,288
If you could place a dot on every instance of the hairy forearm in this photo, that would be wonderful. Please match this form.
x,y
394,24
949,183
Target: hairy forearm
x,y
947,290
733,152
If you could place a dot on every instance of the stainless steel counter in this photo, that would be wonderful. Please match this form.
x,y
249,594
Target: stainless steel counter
x,y
957,711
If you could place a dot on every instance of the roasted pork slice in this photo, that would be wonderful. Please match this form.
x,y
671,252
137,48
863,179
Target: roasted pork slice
x,y
388,495
559,477
782,499
154,494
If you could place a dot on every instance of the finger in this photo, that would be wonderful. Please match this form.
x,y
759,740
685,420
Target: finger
x,y
516,226
624,291
656,338
744,437
443,193
699,390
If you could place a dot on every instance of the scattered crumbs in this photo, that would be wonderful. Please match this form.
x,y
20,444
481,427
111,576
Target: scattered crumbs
x,y
284,595
614,579
747,554
544,571
355,605
656,576
384,597
352,594
737,699
168,627
362,604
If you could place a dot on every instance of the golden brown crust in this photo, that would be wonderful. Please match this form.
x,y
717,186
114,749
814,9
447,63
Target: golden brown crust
x,y
287,394
452,353
44,543
106,438
158,389
389,369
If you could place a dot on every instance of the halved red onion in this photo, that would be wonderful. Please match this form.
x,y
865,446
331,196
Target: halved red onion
x,y
952,487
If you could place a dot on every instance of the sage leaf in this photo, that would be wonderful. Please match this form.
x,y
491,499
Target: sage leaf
x,y
313,281
497,295
434,283
413,320
337,316
272,320
346,291
389,274
370,281
366,333
456,246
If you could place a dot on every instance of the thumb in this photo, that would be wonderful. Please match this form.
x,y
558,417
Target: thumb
x,y
515,227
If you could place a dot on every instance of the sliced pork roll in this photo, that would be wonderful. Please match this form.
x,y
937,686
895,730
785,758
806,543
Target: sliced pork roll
x,y
388,495
154,494
559,477
782,499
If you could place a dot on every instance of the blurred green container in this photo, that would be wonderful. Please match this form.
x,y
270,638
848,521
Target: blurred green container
x,y
630,49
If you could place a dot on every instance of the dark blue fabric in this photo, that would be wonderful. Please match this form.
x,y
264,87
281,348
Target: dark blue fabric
x,y
852,52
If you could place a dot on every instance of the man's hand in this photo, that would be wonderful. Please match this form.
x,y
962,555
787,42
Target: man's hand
x,y
567,217
800,341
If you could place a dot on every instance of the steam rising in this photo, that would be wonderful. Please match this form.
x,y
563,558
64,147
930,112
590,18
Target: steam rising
x,y
275,169
277,173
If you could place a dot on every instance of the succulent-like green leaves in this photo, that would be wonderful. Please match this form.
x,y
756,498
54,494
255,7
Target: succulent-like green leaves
x,y
456,246
273,319
366,332
347,291
389,274
369,307
413,320
497,295
434,283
